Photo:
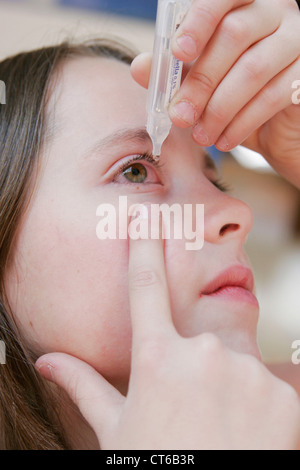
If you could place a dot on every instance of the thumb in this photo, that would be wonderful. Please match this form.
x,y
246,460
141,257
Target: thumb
x,y
98,401
141,68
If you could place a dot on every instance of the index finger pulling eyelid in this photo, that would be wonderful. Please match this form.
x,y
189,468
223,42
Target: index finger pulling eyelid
x,y
148,289
199,25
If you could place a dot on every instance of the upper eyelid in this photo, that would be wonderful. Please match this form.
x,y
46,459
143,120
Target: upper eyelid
x,y
137,158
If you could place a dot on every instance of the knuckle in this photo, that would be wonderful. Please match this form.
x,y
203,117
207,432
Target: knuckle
x,y
203,80
144,277
254,68
210,345
205,13
269,97
234,29
216,113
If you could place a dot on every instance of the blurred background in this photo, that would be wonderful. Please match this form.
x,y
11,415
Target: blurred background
x,y
274,244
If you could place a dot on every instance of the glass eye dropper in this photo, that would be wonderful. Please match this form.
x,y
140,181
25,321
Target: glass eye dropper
x,y
166,71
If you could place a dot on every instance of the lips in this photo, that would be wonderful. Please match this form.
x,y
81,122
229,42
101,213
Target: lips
x,y
237,283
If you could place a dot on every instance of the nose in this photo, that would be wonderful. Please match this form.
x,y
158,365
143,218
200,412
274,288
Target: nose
x,y
227,218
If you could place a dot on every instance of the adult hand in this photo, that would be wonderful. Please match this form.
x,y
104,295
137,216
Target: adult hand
x,y
244,60
183,393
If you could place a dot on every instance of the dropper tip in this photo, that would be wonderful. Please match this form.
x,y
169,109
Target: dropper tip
x,y
156,150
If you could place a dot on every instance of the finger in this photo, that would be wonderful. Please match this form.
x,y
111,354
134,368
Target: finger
x,y
141,68
98,401
199,25
239,30
148,289
248,76
273,98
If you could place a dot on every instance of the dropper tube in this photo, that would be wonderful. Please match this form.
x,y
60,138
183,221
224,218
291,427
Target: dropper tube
x,y
166,71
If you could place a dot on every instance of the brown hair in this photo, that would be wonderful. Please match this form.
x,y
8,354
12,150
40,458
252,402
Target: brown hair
x,y
27,422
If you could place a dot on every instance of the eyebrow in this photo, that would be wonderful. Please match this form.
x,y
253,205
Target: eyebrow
x,y
121,136
136,135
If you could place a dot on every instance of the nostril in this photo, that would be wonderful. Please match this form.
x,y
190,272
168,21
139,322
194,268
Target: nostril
x,y
228,228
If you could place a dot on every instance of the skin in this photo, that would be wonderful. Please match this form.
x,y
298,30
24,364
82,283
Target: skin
x,y
230,43
60,229
84,282
77,302
233,97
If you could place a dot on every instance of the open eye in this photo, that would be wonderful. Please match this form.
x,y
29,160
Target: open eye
x,y
135,172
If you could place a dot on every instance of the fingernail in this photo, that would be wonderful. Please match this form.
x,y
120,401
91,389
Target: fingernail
x,y
222,144
184,111
46,370
187,44
200,135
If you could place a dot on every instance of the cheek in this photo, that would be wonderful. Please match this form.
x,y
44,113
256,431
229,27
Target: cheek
x,y
72,294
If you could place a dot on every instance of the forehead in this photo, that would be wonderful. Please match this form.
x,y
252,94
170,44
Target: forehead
x,y
95,95
92,99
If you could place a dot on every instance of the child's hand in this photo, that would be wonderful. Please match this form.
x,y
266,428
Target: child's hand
x,y
239,89
184,393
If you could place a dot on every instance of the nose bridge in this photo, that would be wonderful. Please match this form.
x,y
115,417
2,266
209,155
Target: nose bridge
x,y
226,217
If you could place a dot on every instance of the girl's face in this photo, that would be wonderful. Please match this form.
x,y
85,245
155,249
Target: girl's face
x,y
68,288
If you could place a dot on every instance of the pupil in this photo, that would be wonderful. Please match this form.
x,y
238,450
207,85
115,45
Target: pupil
x,y
136,173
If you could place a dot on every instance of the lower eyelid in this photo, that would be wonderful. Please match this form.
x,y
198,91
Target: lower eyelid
x,y
128,183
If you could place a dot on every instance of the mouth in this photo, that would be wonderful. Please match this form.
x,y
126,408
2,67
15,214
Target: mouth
x,y
235,284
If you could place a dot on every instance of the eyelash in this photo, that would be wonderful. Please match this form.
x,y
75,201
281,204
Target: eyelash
x,y
219,184
222,186
145,157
